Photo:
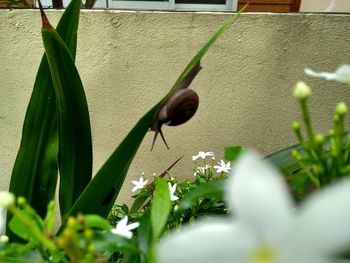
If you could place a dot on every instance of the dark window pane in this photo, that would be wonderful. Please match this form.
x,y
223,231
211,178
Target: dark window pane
x,y
210,2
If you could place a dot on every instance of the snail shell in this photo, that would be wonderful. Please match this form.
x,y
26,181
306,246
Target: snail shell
x,y
178,109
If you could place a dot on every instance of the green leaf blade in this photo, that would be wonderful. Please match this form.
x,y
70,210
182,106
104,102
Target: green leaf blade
x,y
34,174
75,144
160,207
100,194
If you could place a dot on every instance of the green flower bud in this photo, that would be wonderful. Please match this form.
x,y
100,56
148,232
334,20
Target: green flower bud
x,y
301,91
296,154
341,109
72,222
296,126
21,201
319,139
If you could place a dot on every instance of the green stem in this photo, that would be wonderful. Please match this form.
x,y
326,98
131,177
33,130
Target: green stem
x,y
307,121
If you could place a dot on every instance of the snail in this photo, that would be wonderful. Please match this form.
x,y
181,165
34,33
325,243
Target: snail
x,y
178,107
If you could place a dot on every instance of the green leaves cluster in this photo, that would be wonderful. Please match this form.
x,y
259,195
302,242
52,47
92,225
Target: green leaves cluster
x,y
56,136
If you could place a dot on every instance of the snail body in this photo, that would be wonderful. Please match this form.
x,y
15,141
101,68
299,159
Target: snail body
x,y
178,108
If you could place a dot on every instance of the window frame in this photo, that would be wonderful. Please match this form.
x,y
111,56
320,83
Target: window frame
x,y
231,5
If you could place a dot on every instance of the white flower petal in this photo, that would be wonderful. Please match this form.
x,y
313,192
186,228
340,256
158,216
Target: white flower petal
x,y
342,74
133,226
216,240
323,223
259,197
123,222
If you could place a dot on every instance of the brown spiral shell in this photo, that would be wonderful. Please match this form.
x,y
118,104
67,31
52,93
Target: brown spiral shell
x,y
180,107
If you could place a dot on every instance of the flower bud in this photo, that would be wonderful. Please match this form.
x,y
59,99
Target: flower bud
x,y
296,126
319,139
301,91
72,222
7,199
4,239
21,201
341,109
296,155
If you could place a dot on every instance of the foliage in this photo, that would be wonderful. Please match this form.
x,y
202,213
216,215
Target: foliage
x,y
57,130
56,139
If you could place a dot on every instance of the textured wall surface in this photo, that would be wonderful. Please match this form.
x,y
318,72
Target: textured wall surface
x,y
129,60
325,6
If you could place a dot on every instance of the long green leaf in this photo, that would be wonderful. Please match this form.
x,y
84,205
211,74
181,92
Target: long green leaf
x,y
100,194
160,207
75,145
284,160
34,174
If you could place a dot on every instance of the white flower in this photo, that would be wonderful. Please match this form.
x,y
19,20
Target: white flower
x,y
2,220
342,74
6,199
201,169
172,190
202,155
265,227
123,229
223,167
139,184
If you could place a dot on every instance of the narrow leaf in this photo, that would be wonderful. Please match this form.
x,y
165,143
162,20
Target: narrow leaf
x,y
75,145
160,207
34,174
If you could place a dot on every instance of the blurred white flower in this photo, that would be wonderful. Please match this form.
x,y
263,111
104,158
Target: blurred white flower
x,y
138,184
4,239
7,199
202,155
265,227
201,169
123,229
223,167
172,190
2,220
342,74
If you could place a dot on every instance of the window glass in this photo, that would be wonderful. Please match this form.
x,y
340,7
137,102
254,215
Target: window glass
x,y
210,2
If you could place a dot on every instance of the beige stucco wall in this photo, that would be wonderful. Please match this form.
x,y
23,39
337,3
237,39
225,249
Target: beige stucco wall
x,y
325,6
129,60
